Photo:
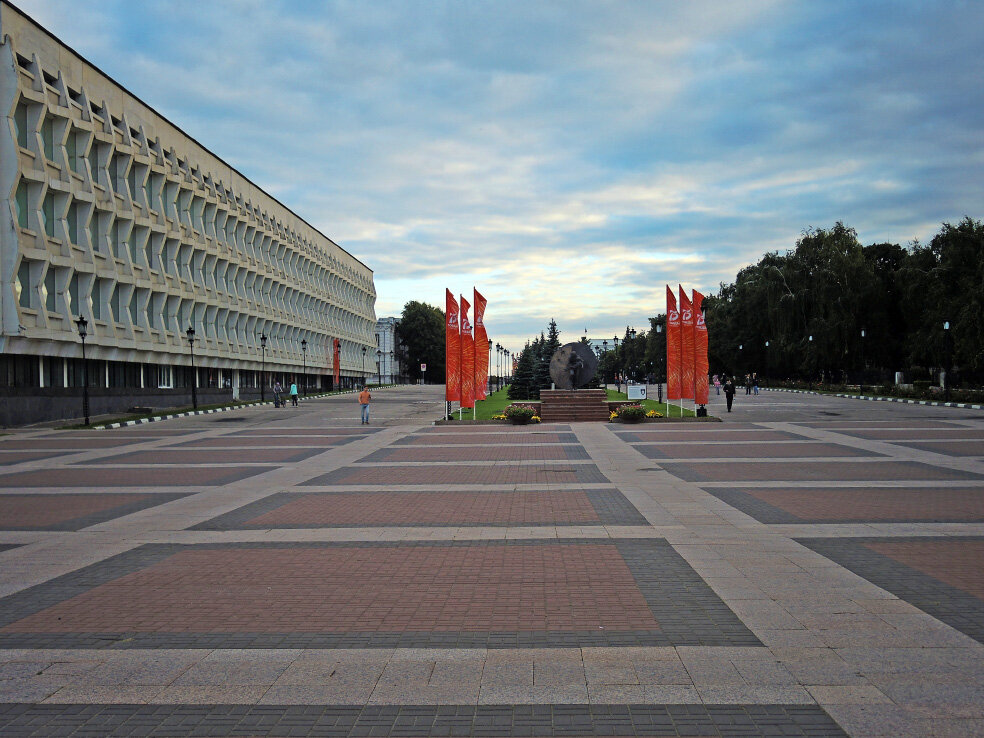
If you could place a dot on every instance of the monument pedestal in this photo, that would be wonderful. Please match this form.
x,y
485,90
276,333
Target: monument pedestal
x,y
566,406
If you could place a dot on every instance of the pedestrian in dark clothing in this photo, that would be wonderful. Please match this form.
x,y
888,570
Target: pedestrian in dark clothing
x,y
729,391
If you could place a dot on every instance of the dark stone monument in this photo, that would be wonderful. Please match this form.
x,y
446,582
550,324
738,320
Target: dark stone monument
x,y
573,365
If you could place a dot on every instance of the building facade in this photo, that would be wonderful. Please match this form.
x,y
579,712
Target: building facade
x,y
114,214
389,370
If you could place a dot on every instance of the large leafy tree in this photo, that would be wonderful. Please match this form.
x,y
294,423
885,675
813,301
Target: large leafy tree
x,y
421,340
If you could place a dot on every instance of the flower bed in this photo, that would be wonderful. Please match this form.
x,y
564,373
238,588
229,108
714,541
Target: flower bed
x,y
519,414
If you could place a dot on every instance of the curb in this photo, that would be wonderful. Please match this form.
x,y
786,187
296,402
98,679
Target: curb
x,y
869,398
159,418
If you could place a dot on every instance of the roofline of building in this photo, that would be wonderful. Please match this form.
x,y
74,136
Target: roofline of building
x,y
181,130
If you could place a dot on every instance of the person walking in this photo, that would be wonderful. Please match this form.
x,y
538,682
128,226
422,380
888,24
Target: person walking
x,y
364,399
717,384
293,393
278,391
755,383
729,391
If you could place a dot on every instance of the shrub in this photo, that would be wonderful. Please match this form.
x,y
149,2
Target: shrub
x,y
631,413
520,413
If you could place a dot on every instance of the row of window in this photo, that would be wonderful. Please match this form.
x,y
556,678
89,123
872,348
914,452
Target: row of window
x,y
140,186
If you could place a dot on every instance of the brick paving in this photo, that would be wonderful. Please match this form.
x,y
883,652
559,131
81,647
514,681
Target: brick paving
x,y
857,504
501,508
544,721
816,471
558,579
17,457
942,577
176,476
567,452
776,449
72,511
495,475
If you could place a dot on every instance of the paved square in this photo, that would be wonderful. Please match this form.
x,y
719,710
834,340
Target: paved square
x,y
557,452
72,511
464,474
857,504
174,476
950,448
347,509
186,456
679,434
775,450
16,457
940,576
463,594
276,441
815,471
480,439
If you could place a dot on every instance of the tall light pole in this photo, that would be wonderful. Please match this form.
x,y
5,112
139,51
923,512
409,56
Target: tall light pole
x,y
379,369
304,362
766,373
617,385
861,383
810,370
263,340
190,333
364,349
659,363
82,324
948,360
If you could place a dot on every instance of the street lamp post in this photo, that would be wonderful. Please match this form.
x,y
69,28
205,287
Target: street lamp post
x,y
659,360
364,349
766,372
304,362
190,333
379,360
812,362
948,360
861,383
617,385
389,354
82,323
263,340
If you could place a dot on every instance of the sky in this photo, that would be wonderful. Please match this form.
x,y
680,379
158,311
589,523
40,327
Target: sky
x,y
568,158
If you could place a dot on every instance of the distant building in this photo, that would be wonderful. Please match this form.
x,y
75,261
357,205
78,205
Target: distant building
x,y
116,215
389,370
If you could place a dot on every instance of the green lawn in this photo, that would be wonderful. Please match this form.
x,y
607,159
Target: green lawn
x,y
660,407
494,404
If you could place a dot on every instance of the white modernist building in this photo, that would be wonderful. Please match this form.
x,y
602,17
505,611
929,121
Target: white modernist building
x,y
114,214
388,370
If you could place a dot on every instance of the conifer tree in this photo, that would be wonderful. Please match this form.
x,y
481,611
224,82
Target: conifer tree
x,y
548,346
520,387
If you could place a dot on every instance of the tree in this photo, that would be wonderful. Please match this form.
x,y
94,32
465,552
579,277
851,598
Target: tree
x,y
421,340
523,378
548,346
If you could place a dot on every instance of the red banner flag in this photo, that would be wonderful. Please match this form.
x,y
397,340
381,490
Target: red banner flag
x,y
467,358
672,346
337,361
481,349
686,347
701,365
452,349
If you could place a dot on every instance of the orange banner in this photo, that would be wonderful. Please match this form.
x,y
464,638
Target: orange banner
x,y
686,347
672,347
467,358
452,349
701,365
481,349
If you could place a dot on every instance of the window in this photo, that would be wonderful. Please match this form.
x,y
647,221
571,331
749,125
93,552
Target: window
x,y
119,239
20,200
48,290
131,242
97,295
48,139
48,214
74,307
165,378
133,308
74,145
132,180
149,253
95,233
25,295
54,372
116,304
20,123
93,158
73,223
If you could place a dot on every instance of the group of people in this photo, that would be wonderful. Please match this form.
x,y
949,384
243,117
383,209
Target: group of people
x,y
728,384
278,398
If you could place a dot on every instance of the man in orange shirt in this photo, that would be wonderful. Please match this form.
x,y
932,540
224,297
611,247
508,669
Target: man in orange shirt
x,y
364,399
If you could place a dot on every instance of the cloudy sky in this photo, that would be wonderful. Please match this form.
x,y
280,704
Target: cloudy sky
x,y
567,158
